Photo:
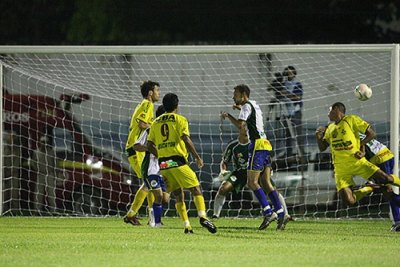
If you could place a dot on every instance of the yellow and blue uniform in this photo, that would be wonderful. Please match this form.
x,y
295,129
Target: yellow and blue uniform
x,y
166,133
344,141
143,112
259,146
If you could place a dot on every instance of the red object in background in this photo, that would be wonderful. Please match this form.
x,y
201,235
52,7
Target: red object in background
x,y
31,117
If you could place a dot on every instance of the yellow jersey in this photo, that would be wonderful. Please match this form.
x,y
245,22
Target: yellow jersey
x,y
166,133
344,139
143,112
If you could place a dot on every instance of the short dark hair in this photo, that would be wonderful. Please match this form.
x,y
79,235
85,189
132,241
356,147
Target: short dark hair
x,y
293,69
170,102
160,110
148,86
340,106
243,89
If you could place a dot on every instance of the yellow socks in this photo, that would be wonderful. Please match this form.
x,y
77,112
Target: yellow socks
x,y
396,180
181,209
362,192
150,199
137,202
200,205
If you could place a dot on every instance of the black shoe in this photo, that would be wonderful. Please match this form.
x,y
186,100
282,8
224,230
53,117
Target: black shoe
x,y
132,220
188,230
215,217
208,224
282,222
267,220
395,228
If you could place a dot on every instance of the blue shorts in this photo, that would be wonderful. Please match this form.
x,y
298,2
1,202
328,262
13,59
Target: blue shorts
x,y
387,166
155,182
258,159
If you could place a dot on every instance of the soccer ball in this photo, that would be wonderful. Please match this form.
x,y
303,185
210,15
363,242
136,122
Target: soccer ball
x,y
362,92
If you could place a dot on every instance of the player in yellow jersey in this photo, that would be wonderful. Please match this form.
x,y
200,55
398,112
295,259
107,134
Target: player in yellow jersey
x,y
169,140
142,118
342,136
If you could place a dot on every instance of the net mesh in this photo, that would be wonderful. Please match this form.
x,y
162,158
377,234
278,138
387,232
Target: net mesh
x,y
66,119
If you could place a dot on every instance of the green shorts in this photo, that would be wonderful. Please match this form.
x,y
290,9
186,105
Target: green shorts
x,y
238,179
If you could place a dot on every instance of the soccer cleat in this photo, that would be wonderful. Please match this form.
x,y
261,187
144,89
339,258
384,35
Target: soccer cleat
x,y
395,228
188,230
157,225
267,220
215,217
132,220
208,224
282,222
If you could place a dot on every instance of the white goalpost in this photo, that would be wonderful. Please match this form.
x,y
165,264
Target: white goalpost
x,y
66,113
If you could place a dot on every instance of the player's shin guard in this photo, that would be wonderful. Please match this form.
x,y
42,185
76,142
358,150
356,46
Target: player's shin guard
x,y
200,205
262,198
157,209
274,197
137,202
362,192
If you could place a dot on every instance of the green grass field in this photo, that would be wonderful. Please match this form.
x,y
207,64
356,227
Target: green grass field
x,y
30,241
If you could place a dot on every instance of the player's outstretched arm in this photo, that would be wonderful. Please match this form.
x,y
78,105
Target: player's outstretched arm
x,y
190,146
235,121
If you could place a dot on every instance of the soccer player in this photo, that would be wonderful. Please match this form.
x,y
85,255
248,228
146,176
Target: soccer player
x,y
342,136
141,120
238,152
153,181
169,140
251,120
380,155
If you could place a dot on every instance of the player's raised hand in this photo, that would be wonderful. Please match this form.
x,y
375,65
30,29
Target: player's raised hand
x,y
199,162
320,132
223,115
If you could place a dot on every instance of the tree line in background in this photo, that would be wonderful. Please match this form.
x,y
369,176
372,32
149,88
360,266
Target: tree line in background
x,y
161,22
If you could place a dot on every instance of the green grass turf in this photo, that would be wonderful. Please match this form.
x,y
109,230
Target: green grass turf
x,y
30,241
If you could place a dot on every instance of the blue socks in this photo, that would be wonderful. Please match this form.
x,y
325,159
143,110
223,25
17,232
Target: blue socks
x,y
262,198
157,209
274,197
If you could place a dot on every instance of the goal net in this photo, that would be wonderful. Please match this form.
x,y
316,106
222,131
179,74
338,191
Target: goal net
x,y
66,113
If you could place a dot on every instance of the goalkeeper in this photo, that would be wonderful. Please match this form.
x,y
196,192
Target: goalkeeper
x,y
238,152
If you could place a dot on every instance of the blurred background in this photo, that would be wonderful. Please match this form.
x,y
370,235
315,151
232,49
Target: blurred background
x,y
160,22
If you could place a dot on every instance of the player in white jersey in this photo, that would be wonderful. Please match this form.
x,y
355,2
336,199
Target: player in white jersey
x,y
251,119
380,155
